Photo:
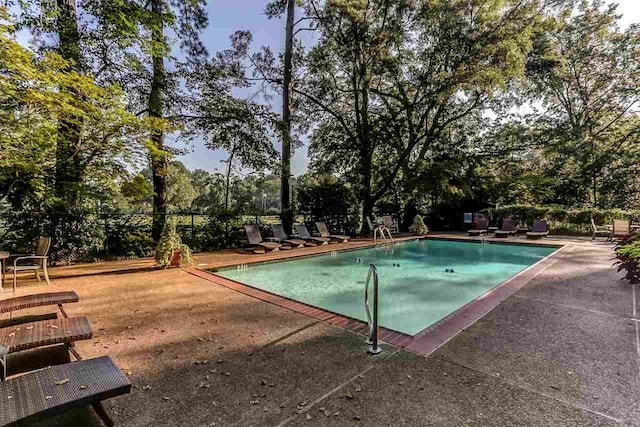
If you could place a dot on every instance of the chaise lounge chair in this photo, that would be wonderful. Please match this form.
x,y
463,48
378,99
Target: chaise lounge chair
x,y
481,227
281,237
43,333
303,233
324,232
507,229
538,231
11,305
41,394
255,240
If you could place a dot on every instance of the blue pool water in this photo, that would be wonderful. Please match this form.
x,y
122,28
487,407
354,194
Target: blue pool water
x,y
413,296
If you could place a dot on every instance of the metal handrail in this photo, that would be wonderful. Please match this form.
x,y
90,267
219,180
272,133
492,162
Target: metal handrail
x,y
372,338
382,229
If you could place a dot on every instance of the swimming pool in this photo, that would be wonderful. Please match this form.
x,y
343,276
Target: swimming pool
x,y
415,289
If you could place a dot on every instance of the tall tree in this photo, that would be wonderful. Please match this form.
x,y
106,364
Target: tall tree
x,y
586,76
135,34
388,80
285,173
68,172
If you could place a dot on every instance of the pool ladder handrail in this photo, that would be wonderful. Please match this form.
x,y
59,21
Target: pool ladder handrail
x,y
372,338
381,228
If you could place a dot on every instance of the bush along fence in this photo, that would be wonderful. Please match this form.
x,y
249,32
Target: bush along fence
x,y
128,235
561,220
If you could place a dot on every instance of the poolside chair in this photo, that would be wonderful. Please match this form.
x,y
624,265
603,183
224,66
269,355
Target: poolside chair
x,y
600,230
303,233
508,229
538,231
324,232
11,305
48,392
387,221
621,228
256,242
44,333
281,237
38,262
480,228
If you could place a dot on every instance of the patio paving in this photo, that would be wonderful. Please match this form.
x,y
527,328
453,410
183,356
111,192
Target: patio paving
x,y
561,351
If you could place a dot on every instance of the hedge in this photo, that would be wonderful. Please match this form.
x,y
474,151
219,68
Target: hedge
x,y
560,218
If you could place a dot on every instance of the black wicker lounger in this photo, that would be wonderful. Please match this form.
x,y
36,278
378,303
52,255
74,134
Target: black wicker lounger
x,y
10,305
51,391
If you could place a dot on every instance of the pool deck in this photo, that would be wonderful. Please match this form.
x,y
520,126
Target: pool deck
x,y
561,349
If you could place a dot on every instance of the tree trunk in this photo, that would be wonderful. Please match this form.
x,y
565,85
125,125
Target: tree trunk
x,y
365,195
159,162
68,175
409,214
227,179
286,216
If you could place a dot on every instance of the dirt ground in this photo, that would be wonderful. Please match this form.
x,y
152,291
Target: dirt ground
x,y
561,351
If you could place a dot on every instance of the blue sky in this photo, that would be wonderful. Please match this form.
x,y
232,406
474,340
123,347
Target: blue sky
x,y
227,16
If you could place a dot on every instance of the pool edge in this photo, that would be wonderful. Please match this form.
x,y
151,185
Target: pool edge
x,y
425,341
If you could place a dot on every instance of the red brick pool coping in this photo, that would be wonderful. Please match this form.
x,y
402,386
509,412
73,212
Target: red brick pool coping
x,y
424,342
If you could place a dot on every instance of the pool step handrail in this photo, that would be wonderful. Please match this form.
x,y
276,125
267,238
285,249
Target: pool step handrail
x,y
372,338
381,229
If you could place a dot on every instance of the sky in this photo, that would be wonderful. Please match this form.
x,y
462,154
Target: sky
x,y
228,16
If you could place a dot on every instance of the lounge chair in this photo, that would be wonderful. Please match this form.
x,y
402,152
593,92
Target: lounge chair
x,y
11,305
281,237
48,392
480,228
507,229
256,242
44,333
387,221
600,230
324,232
621,228
37,262
538,231
303,233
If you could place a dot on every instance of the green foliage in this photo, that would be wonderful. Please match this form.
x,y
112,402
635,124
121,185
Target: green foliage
x,y
579,218
585,72
126,236
418,227
628,254
327,198
138,190
171,252
222,230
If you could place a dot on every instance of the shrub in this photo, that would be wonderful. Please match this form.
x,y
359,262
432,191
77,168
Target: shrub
x,y
628,254
171,252
418,227
222,230
127,236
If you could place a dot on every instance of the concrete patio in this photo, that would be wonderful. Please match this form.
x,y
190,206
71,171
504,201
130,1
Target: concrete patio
x,y
563,350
